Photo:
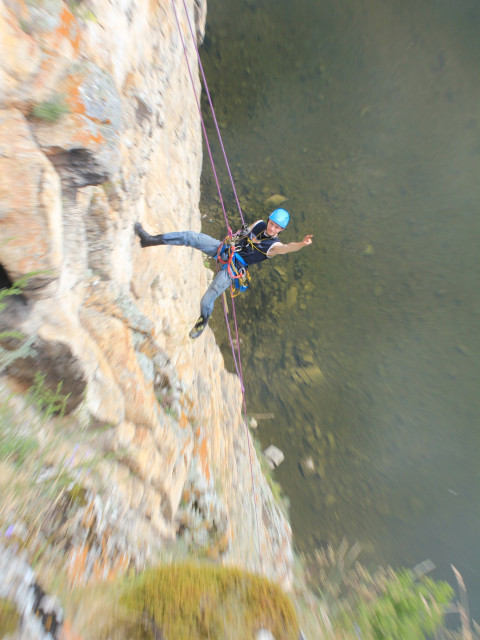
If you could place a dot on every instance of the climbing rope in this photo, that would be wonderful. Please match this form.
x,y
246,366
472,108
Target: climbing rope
x,y
238,363
200,65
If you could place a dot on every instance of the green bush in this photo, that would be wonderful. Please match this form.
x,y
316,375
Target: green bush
x,y
50,110
343,599
196,602
408,608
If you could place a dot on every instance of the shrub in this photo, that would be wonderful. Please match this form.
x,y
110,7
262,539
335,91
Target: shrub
x,y
50,110
352,602
408,608
193,602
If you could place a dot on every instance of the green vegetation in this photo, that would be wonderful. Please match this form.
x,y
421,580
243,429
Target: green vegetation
x,y
193,602
15,290
41,479
50,110
82,12
407,608
9,617
16,447
9,356
46,401
342,599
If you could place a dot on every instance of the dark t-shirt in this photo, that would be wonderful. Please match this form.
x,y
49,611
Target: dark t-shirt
x,y
255,248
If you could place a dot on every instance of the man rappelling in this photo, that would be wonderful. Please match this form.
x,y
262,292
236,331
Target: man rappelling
x,y
235,254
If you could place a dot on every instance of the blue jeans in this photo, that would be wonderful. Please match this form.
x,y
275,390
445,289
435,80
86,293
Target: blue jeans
x,y
207,245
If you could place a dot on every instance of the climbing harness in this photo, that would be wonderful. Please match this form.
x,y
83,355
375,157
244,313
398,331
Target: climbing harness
x,y
228,258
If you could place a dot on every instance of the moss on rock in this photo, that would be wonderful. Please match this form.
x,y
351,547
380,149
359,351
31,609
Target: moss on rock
x,y
9,617
189,601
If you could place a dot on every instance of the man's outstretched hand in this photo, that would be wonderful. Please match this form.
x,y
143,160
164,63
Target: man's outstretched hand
x,y
278,248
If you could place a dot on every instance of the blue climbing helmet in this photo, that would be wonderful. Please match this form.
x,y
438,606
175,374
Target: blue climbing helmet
x,y
280,217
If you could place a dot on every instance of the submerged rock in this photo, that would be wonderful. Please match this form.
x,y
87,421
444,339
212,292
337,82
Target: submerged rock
x,y
307,466
331,440
275,200
292,295
274,456
307,375
281,272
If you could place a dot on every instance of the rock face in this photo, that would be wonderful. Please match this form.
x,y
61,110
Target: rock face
x,y
41,614
99,128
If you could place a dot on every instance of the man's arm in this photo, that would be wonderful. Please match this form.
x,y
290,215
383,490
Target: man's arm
x,y
278,248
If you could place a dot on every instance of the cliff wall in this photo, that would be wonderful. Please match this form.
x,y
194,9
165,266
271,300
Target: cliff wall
x,y
99,128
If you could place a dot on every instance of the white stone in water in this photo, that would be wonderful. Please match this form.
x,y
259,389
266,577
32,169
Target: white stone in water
x,y
274,455
264,634
307,466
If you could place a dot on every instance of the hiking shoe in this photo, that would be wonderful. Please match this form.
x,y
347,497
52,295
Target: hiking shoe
x,y
146,240
200,325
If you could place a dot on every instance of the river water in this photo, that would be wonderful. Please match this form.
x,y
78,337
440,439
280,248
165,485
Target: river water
x,y
365,347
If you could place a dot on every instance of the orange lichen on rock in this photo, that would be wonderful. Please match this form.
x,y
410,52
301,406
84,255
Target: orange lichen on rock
x,y
85,130
68,29
74,99
104,569
86,138
67,632
200,449
76,563
142,435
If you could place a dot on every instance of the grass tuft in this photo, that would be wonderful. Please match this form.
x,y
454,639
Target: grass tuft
x,y
195,602
50,110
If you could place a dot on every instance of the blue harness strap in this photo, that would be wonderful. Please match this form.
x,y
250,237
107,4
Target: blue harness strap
x,y
236,266
238,258
240,284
